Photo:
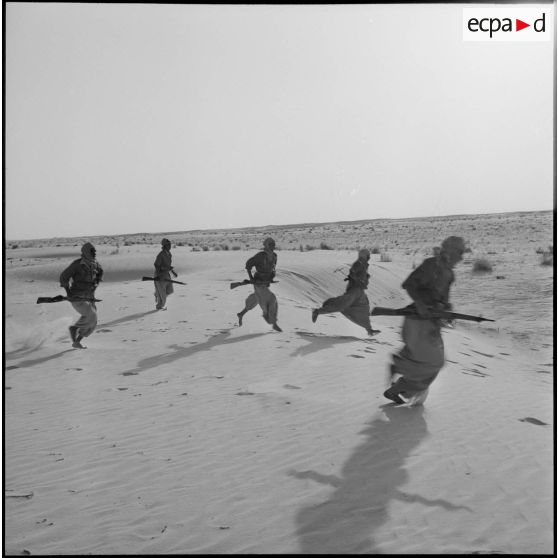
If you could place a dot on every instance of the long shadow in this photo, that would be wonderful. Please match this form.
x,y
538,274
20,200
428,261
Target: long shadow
x,y
318,342
129,318
178,352
370,480
29,363
18,353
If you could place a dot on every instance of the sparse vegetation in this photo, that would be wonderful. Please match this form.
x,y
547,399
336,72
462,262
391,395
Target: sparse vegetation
x,y
324,246
385,257
482,265
548,256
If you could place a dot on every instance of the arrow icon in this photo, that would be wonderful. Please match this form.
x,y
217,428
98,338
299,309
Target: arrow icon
x,y
519,25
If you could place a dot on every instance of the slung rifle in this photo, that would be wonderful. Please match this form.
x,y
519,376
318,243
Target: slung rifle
x,y
411,311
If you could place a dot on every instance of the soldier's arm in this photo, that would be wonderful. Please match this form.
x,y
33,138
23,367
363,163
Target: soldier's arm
x,y
66,275
417,284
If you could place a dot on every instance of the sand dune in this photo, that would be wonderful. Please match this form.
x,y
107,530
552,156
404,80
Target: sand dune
x,y
180,432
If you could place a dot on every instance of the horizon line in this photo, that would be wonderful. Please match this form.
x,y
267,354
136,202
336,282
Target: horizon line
x,y
285,225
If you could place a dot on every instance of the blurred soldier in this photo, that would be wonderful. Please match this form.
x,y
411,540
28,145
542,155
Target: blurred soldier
x,y
163,269
354,303
264,262
80,279
417,364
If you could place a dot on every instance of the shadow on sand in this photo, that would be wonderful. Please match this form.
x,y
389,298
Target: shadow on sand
x,y
34,362
129,318
371,479
178,352
319,341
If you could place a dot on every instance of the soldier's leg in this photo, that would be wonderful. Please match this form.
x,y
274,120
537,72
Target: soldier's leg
x,y
86,323
250,303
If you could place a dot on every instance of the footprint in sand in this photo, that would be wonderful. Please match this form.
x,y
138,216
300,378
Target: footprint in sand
x,y
289,386
533,421
129,373
474,372
104,330
245,393
483,354
356,356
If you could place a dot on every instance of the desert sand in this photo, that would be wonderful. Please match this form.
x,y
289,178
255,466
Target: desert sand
x,y
179,432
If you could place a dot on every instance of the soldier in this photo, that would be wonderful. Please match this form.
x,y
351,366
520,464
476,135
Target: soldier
x,y
264,262
354,303
163,269
417,364
80,279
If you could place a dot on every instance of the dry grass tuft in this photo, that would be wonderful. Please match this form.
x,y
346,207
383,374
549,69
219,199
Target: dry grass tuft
x,y
482,265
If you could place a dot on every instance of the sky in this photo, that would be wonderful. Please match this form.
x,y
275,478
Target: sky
x,y
126,118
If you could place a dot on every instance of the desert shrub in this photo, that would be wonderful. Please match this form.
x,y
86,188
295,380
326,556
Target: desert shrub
x,y
375,250
14,246
385,257
324,246
196,248
548,257
205,248
180,243
224,246
482,265
236,248
309,248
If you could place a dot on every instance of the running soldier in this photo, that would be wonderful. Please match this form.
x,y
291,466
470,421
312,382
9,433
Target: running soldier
x,y
163,269
354,303
264,262
80,279
418,363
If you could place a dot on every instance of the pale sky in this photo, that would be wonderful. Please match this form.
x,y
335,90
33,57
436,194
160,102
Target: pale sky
x,y
133,118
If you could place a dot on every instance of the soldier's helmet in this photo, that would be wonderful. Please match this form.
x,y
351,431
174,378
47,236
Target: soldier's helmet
x,y
165,242
364,253
269,243
453,244
88,251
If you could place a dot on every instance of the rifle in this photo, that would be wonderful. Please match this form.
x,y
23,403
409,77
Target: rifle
x,y
60,298
249,282
411,311
159,279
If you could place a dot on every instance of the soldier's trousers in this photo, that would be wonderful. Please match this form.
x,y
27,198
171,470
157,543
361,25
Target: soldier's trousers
x,y
267,301
88,320
421,358
162,290
353,304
